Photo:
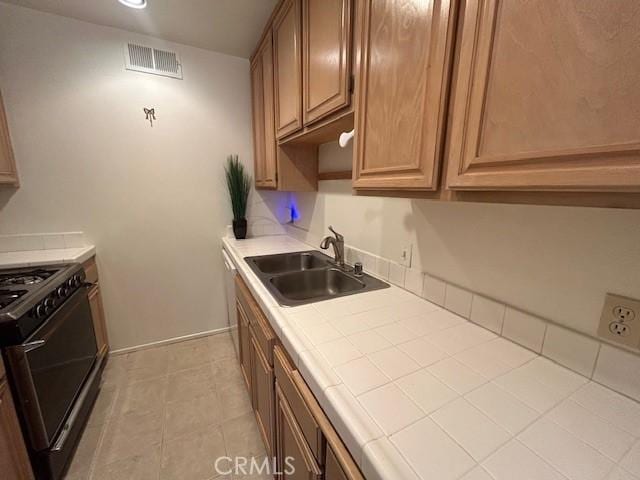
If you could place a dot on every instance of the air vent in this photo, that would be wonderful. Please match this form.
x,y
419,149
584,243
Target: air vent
x,y
152,60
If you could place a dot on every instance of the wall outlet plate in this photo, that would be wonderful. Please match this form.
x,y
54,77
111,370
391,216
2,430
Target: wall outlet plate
x,y
620,320
405,255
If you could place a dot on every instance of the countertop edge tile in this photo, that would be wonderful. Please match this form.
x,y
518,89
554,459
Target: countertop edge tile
x,y
46,257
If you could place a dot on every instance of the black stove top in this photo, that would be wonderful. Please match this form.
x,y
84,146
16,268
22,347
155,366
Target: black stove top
x,y
30,295
25,277
7,297
16,283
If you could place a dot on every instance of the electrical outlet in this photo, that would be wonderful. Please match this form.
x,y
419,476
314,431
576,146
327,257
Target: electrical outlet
x,y
405,255
619,322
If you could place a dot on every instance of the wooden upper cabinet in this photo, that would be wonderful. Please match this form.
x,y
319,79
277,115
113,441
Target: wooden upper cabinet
x,y
264,139
287,36
546,97
326,52
8,171
401,98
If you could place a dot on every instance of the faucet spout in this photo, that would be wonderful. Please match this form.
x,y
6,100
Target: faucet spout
x,y
338,246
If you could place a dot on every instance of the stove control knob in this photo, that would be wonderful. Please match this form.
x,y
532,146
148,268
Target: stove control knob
x,y
49,305
61,292
77,280
40,311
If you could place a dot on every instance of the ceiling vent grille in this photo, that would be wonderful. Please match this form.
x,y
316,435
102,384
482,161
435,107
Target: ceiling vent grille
x,y
152,60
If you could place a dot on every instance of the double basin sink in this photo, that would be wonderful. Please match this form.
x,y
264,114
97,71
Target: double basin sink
x,y
299,278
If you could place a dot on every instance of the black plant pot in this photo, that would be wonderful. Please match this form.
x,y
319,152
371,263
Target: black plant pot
x,y
240,228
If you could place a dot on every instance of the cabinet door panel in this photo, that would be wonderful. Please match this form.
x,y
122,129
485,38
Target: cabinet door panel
x,y
288,68
263,383
264,138
546,97
8,173
244,344
294,458
332,469
97,313
14,461
257,104
401,99
326,27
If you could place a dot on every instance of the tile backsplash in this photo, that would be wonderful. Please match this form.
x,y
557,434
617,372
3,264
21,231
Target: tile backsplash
x,y
614,367
41,241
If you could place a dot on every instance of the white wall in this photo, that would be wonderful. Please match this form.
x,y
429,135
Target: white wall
x,y
152,200
556,262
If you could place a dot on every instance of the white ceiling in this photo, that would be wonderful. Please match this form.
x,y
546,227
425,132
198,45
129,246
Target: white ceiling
x,y
227,26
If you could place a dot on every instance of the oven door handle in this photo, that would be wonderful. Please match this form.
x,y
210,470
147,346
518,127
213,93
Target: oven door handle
x,y
29,346
73,416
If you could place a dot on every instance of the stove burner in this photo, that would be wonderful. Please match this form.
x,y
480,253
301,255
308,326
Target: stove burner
x,y
7,297
26,278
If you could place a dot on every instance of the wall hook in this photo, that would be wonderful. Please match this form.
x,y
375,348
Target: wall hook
x,y
150,114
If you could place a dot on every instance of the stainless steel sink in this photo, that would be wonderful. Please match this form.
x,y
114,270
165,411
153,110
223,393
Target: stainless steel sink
x,y
290,262
305,277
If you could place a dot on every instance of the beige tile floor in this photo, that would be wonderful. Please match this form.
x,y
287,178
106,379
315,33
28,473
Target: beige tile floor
x,y
167,413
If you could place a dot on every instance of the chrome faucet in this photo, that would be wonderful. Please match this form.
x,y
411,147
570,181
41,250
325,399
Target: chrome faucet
x,y
338,246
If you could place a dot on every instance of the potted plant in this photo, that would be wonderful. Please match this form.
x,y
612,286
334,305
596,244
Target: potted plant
x,y
239,185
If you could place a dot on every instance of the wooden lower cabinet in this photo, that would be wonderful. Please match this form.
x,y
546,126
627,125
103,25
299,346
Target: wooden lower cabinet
x,y
95,302
332,468
244,344
99,326
262,390
293,426
294,458
14,460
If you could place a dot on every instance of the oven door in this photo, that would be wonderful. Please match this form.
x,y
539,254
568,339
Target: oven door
x,y
50,368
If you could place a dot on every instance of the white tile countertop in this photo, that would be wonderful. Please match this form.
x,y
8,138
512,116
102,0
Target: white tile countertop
x,y
53,256
417,392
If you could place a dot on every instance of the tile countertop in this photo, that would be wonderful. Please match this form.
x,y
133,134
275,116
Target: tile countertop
x,y
46,257
417,392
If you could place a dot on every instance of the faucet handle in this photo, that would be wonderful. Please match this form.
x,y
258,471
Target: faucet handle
x,y
339,237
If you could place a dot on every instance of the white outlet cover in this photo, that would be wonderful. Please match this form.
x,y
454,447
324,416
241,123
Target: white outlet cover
x,y
620,320
406,253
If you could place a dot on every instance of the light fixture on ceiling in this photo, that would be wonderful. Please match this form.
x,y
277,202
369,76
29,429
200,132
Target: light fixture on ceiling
x,y
134,3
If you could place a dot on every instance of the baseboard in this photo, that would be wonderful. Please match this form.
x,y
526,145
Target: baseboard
x,y
168,341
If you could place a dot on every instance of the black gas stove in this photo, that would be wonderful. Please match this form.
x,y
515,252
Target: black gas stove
x,y
29,295
49,347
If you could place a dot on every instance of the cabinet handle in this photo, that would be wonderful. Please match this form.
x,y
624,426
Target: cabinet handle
x,y
345,138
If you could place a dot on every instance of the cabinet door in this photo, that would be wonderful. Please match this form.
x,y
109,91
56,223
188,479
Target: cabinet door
x,y
244,344
326,51
8,173
264,139
97,313
294,459
14,461
332,469
401,99
263,383
288,68
546,97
